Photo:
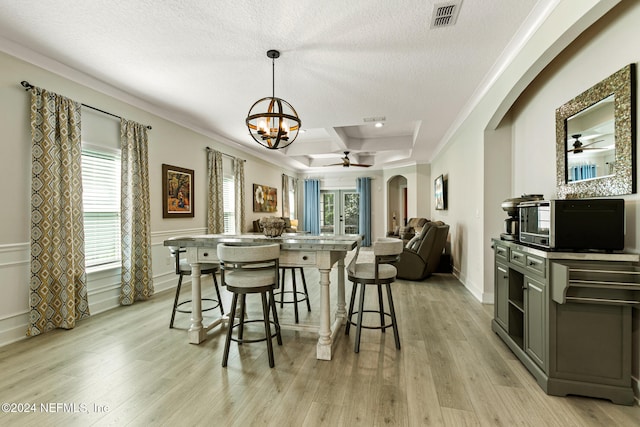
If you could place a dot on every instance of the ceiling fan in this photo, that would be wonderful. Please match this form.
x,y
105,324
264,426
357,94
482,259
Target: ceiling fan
x,y
347,163
579,147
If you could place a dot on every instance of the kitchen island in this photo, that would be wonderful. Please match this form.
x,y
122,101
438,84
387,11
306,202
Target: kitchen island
x,y
300,250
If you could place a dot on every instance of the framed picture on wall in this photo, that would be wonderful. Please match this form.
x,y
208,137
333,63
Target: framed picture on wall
x,y
177,192
265,198
440,192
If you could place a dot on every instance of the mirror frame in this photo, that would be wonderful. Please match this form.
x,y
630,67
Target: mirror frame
x,y
621,84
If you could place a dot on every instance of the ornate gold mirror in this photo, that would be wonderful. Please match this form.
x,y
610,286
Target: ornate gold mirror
x,y
595,139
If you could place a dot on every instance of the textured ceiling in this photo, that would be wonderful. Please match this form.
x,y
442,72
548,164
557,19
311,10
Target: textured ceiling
x,y
204,64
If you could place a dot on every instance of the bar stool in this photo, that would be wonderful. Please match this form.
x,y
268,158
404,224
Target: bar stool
x,y
183,268
280,295
251,270
378,273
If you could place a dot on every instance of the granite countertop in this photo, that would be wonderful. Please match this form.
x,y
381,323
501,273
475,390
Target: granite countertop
x,y
345,242
576,255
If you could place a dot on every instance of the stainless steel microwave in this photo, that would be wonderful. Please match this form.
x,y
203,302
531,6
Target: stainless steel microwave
x,y
573,224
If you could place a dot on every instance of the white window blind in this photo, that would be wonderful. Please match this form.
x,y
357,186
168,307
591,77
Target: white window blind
x,y
229,202
101,200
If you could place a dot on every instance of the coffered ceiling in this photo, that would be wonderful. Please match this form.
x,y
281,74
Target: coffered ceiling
x,y
203,63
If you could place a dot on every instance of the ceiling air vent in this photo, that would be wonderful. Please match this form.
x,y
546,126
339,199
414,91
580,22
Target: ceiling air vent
x,y
445,14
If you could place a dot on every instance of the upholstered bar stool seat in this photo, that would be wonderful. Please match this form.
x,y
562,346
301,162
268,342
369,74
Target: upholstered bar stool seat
x,y
296,295
183,268
251,270
378,273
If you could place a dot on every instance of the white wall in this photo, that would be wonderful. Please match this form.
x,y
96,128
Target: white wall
x,y
168,143
463,157
602,50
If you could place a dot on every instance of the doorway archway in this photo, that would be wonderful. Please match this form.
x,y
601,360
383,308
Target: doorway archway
x,y
396,202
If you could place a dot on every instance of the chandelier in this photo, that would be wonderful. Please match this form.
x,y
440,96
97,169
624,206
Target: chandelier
x,y
273,122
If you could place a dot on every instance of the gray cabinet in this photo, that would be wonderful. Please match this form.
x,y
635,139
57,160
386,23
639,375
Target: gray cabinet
x,y
567,317
536,321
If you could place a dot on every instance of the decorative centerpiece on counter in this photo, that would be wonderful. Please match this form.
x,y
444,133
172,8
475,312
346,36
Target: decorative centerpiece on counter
x,y
272,226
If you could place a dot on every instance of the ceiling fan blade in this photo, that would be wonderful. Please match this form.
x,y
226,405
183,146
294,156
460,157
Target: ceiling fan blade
x,y
361,165
582,147
591,143
335,164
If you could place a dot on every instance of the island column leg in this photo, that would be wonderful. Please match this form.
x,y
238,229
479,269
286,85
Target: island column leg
x,y
196,330
341,311
323,348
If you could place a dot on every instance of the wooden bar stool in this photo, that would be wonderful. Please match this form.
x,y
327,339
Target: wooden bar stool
x,y
298,296
378,273
251,270
183,268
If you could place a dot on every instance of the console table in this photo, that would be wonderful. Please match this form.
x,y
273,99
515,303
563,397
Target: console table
x,y
302,250
568,317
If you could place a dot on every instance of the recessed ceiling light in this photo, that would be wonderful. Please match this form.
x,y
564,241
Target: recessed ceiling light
x,y
379,124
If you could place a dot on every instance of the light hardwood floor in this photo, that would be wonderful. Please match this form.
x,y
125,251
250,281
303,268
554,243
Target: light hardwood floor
x,y
126,367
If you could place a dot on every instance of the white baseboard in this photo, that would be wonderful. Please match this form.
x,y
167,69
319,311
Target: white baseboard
x,y
13,328
103,285
483,297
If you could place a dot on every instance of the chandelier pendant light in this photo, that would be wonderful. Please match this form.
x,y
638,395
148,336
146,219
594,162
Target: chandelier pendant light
x,y
273,122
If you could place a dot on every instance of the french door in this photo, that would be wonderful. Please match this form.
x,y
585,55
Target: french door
x,y
339,212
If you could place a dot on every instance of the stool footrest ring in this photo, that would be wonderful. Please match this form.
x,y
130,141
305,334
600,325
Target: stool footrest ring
x,y
215,305
261,321
280,294
385,326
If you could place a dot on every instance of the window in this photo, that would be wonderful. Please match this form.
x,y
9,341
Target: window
x,y
101,200
229,202
327,202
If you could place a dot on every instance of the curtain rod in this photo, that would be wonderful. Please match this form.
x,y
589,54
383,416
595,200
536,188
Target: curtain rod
x,y
225,154
29,86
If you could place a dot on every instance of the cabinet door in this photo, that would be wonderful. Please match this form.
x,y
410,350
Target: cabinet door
x,y
535,340
501,303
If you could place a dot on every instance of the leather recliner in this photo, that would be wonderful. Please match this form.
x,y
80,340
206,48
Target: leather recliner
x,y
421,255
407,232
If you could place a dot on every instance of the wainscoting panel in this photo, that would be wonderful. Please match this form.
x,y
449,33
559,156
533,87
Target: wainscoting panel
x,y
14,285
103,286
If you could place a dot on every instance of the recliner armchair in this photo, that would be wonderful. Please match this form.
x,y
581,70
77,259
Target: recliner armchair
x,y
407,232
421,255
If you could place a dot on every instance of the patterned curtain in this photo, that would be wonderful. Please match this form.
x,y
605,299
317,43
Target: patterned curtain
x,y
286,213
312,206
135,213
58,286
238,172
215,204
363,187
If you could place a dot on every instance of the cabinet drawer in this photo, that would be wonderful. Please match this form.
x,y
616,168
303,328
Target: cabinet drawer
x,y
502,252
517,257
297,258
207,255
536,265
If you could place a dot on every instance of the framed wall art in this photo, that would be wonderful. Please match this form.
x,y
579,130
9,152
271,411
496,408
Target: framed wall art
x,y
177,192
265,199
440,192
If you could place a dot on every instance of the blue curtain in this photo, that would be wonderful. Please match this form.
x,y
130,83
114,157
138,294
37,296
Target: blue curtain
x,y
363,187
311,220
581,172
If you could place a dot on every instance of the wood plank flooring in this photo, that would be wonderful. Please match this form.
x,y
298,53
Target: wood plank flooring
x,y
125,367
